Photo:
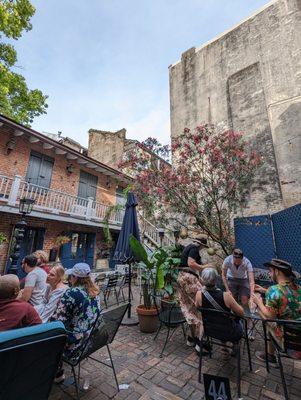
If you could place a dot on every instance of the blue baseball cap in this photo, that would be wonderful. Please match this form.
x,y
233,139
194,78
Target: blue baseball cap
x,y
81,270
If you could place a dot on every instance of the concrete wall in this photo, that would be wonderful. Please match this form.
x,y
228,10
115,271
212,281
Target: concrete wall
x,y
107,147
249,79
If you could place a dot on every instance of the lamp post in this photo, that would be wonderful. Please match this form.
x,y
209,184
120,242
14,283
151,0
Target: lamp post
x,y
25,208
176,234
161,232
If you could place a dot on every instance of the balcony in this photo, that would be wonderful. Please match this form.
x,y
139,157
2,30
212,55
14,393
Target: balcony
x,y
54,204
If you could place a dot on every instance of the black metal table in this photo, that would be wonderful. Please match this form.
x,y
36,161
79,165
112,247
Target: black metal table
x,y
255,318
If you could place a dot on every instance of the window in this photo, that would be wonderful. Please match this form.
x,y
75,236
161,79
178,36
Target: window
x,y
120,198
39,169
87,185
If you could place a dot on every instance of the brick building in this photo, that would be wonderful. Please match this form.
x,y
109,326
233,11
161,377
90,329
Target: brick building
x,y
249,79
72,194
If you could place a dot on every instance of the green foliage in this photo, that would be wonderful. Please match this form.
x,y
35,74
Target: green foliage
x,y
111,210
15,17
17,101
160,270
3,238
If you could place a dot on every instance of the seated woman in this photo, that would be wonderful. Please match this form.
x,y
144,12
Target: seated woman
x,y
213,298
43,259
54,293
78,309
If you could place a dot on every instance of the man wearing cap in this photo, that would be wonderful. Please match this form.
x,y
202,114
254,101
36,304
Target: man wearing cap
x,y
282,301
188,286
238,276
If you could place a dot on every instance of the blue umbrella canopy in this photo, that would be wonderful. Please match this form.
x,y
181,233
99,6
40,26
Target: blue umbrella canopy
x,y
123,252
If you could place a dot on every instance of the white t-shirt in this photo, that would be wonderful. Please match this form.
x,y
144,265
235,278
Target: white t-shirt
x,y
233,271
37,280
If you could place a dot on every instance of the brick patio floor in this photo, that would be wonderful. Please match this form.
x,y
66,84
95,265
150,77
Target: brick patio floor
x,y
137,362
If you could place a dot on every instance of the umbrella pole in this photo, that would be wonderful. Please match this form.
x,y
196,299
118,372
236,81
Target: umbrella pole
x,y
130,320
130,290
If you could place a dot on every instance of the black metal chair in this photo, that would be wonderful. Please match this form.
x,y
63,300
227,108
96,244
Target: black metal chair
x,y
110,286
291,343
124,283
219,328
102,334
170,316
29,359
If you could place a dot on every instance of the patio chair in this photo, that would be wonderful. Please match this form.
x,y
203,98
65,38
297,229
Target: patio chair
x,y
29,359
102,334
110,286
125,280
292,342
218,328
170,315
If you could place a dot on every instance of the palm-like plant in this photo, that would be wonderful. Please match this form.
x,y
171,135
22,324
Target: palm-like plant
x,y
159,271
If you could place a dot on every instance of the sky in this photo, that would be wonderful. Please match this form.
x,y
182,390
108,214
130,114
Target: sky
x,y
104,63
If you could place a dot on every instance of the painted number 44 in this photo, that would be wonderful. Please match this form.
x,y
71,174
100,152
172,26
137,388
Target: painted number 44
x,y
217,392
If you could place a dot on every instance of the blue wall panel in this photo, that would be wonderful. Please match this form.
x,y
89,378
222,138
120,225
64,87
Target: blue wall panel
x,y
254,236
287,232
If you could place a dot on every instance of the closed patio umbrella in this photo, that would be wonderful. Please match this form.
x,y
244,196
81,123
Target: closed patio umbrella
x,y
123,252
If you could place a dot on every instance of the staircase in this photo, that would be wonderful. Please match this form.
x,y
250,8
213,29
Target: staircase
x,y
150,235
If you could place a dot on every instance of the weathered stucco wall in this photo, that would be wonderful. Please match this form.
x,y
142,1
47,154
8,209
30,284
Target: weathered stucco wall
x,y
107,147
249,79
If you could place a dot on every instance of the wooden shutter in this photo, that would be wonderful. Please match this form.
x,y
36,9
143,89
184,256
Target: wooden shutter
x,y
87,185
39,170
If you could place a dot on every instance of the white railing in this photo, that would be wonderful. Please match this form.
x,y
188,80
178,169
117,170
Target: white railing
x,y
5,187
54,201
57,202
102,211
151,232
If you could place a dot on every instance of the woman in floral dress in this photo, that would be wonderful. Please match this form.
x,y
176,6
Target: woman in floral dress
x,y
188,286
78,310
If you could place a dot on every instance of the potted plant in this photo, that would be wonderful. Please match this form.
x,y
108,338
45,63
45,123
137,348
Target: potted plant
x,y
152,280
170,269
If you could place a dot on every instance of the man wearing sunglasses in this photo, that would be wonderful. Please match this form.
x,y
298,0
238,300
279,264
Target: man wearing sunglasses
x,y
238,276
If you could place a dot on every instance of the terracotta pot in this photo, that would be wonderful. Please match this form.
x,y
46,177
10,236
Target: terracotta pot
x,y
148,319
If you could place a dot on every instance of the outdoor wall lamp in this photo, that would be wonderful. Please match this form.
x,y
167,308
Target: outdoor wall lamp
x,y
161,232
70,168
25,208
108,183
176,234
10,145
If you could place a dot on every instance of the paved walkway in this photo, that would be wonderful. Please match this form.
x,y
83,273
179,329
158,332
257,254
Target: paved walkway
x,y
136,358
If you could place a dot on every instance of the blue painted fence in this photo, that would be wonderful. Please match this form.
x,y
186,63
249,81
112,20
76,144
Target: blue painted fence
x,y
266,236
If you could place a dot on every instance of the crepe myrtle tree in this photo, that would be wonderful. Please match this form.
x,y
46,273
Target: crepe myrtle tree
x,y
209,181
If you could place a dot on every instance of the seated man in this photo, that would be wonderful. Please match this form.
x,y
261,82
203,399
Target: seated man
x,y
35,283
14,313
282,301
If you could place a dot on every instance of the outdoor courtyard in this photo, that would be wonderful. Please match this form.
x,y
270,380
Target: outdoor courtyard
x,y
175,375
